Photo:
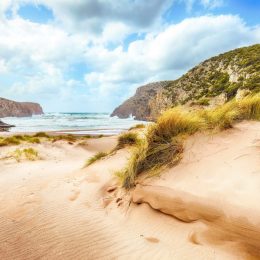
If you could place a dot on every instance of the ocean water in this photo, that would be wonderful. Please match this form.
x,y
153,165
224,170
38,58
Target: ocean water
x,y
78,123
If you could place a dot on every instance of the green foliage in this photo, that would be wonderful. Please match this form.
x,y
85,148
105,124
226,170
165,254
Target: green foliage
x,y
211,78
201,102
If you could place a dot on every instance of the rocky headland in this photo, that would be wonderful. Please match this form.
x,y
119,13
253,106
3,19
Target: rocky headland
x,y
212,82
9,108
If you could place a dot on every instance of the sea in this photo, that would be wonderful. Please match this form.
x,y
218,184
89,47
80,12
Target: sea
x,y
72,123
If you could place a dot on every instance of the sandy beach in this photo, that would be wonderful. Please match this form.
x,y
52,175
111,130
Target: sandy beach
x,y
204,208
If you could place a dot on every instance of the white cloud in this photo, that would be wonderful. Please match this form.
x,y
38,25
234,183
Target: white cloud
x,y
39,57
169,53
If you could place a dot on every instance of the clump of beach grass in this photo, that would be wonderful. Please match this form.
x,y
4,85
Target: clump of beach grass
x,y
68,138
128,138
41,134
138,126
95,158
27,153
162,145
11,140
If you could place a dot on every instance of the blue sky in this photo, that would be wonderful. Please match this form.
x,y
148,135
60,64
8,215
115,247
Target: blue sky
x,y
90,55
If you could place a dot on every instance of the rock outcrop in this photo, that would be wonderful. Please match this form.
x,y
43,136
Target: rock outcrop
x,y
137,106
9,108
212,82
4,126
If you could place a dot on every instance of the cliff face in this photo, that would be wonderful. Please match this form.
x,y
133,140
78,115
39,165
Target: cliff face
x,y
137,105
10,108
212,82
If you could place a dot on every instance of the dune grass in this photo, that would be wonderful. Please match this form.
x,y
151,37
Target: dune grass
x,y
95,158
27,154
138,126
128,138
39,137
163,142
41,134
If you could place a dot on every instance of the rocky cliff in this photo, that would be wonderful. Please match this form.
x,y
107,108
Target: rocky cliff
x,y
212,82
137,106
18,109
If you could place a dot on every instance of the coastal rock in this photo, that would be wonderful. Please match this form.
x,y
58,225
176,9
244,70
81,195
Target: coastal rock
x,y
211,83
138,105
4,126
9,108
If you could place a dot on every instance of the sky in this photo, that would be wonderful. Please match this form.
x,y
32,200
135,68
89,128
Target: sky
x,y
90,55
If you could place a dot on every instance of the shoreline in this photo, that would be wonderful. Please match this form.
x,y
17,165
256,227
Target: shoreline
x,y
81,132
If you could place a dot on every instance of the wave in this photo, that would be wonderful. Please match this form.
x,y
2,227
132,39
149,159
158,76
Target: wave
x,y
98,122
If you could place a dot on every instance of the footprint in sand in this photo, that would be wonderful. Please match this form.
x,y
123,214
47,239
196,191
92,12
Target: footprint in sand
x,y
193,238
74,195
152,239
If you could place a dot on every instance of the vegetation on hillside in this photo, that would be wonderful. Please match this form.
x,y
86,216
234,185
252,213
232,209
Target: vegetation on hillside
x,y
225,73
163,142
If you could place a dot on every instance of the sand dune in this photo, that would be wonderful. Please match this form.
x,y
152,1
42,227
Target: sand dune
x,y
55,209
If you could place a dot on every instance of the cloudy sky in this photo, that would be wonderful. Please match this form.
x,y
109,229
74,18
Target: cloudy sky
x,y
90,55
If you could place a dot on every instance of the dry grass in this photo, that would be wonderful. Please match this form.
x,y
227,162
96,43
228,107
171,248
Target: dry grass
x,y
95,158
41,134
39,137
26,154
163,142
138,126
128,138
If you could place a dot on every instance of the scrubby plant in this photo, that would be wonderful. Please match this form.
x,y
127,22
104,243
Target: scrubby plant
x,y
138,126
128,138
27,153
163,142
220,118
250,107
95,158
69,138
12,140
202,102
41,134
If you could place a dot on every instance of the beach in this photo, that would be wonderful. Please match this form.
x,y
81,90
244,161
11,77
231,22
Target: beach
x,y
206,207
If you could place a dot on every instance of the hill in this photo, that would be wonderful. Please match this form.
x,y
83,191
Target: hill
x,y
9,108
212,82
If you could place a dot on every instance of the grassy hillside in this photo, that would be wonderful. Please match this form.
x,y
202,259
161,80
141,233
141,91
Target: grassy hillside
x,y
211,83
225,73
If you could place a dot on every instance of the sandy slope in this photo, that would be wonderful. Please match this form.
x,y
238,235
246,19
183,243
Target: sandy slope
x,y
54,209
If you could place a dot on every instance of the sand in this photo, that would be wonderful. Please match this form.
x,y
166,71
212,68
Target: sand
x,y
207,207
